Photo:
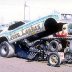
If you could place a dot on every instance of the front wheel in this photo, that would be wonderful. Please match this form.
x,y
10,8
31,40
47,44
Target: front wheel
x,y
6,49
53,59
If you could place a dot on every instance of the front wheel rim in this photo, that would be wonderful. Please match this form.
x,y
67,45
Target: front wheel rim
x,y
53,60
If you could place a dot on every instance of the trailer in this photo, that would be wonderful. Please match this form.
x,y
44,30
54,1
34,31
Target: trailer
x,y
27,40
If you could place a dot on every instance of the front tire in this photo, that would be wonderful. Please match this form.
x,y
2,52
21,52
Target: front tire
x,y
53,59
6,49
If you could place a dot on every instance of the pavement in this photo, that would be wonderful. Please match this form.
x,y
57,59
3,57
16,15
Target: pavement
x,y
22,65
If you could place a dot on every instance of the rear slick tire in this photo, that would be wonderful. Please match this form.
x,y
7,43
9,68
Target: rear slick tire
x,y
6,50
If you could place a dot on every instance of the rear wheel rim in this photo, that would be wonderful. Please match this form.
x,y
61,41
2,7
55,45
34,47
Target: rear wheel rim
x,y
4,50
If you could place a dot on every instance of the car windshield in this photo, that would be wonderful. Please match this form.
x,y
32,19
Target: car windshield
x,y
3,27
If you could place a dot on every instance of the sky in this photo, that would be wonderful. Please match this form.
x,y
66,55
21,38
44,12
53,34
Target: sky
x,y
13,10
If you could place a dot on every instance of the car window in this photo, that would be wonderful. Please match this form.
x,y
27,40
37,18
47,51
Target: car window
x,y
15,25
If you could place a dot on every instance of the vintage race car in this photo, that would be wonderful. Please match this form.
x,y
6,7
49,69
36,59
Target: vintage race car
x,y
20,39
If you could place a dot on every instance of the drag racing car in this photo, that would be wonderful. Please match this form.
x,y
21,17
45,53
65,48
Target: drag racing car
x,y
27,40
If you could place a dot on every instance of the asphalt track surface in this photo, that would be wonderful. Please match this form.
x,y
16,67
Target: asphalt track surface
x,y
21,65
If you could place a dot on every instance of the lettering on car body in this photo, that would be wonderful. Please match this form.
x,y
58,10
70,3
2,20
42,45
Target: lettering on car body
x,y
27,32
